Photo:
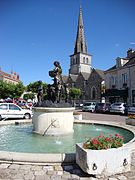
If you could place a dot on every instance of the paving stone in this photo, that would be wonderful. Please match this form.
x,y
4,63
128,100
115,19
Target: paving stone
x,y
25,167
112,178
50,168
59,173
39,177
122,177
54,177
50,172
58,168
40,172
29,177
66,175
3,166
36,168
18,177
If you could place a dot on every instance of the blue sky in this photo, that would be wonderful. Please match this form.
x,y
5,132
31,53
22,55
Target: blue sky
x,y
35,33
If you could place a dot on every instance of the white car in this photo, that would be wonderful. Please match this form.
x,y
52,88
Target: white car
x,y
119,108
131,109
11,110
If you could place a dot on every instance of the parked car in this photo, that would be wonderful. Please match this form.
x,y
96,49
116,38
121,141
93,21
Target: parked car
x,y
11,110
78,105
102,107
89,106
131,109
119,107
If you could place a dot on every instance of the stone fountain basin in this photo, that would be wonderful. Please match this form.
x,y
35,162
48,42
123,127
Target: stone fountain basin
x,y
45,158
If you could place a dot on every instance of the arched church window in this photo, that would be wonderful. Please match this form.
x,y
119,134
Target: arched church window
x,y
84,60
71,61
93,93
74,61
87,61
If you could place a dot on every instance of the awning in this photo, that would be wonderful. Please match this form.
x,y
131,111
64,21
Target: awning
x,y
115,93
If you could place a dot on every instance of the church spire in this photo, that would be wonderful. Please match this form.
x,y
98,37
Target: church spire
x,y
80,45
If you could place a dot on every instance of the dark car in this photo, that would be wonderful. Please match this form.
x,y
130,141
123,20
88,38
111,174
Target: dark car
x,y
102,107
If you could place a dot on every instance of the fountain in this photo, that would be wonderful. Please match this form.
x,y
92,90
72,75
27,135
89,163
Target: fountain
x,y
55,130
53,116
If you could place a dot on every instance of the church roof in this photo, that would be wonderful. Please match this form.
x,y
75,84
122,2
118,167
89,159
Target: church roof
x,y
85,75
73,77
80,45
101,73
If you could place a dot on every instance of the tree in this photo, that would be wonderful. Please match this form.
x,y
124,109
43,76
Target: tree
x,y
75,93
33,87
11,90
29,96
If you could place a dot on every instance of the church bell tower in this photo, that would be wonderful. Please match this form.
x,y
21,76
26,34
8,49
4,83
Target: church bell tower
x,y
80,61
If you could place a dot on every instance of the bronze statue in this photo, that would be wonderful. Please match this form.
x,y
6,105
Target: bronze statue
x,y
57,78
40,92
56,91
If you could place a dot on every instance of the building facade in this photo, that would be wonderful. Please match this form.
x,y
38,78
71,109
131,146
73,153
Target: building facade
x,y
12,78
120,80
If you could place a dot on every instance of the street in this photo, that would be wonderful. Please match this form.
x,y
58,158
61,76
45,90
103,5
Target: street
x,y
103,117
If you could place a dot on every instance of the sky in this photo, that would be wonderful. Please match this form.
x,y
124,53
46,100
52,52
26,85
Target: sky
x,y
35,33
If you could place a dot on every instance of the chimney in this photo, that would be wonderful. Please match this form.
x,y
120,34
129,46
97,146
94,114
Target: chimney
x,y
130,52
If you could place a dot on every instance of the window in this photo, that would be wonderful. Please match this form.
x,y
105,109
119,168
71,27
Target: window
x,y
84,60
85,83
3,107
113,80
87,61
93,93
13,107
124,78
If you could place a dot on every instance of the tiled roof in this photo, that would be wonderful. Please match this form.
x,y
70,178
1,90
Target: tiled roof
x,y
131,61
112,68
101,73
13,77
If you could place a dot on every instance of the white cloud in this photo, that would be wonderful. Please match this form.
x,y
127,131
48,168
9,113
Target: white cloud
x,y
132,43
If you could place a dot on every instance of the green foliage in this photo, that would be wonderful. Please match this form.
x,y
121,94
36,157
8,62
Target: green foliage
x,y
28,96
11,90
33,87
75,93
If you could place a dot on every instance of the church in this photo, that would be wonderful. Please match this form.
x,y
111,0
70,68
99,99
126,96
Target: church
x,y
81,73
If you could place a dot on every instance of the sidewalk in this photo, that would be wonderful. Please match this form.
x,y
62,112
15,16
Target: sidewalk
x,y
56,172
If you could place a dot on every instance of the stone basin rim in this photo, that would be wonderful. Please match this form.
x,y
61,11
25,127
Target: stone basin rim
x,y
52,158
49,109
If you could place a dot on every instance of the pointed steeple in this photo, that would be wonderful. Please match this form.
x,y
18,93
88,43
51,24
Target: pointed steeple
x,y
80,45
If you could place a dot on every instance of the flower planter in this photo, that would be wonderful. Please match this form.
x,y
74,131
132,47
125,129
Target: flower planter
x,y
78,117
106,162
130,121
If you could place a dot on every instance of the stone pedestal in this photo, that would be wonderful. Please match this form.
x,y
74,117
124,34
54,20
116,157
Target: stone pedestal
x,y
53,121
